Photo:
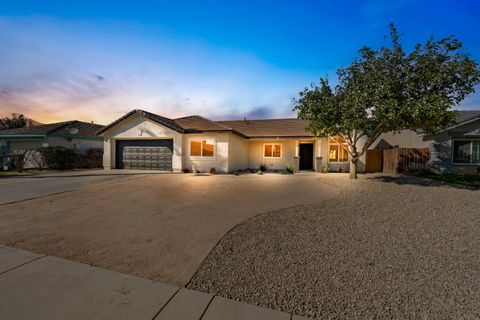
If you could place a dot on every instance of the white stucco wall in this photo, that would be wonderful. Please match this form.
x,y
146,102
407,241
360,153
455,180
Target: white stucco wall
x,y
256,155
137,127
219,161
238,150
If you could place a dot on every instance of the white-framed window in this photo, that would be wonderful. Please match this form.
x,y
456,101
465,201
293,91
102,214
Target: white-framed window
x,y
466,151
337,149
272,150
202,148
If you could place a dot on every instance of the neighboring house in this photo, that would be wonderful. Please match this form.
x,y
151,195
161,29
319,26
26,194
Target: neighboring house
x,y
457,148
76,135
402,139
143,140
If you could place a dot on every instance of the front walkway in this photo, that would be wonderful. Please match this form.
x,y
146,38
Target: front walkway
x,y
34,286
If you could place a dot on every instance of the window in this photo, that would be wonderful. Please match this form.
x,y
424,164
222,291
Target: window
x,y
466,151
337,150
272,150
201,148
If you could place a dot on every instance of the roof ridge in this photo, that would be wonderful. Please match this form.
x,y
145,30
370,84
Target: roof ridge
x,y
271,119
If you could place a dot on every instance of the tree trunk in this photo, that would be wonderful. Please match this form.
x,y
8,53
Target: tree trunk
x,y
353,168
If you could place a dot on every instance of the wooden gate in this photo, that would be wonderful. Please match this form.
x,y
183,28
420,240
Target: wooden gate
x,y
374,161
399,160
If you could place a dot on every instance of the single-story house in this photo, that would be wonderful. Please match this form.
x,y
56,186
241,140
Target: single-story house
x,y
77,135
457,148
143,140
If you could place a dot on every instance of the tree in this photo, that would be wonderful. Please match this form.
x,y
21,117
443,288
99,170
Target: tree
x,y
388,90
15,121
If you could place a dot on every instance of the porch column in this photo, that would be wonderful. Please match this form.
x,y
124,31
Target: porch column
x,y
296,158
318,156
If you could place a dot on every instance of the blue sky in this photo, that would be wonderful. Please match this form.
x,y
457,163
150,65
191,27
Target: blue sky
x,y
96,60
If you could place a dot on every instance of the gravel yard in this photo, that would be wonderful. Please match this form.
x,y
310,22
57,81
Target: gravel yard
x,y
385,248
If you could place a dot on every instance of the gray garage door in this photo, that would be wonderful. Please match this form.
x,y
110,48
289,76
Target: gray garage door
x,y
145,155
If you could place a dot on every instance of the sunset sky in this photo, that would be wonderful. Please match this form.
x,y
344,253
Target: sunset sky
x,y
97,60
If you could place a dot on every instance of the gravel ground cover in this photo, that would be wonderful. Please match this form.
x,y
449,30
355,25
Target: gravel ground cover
x,y
402,248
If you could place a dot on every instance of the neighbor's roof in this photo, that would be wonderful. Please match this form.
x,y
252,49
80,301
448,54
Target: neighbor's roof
x,y
467,115
72,129
269,128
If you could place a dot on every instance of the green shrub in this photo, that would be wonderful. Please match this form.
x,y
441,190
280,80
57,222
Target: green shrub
x,y
93,158
60,158
326,169
262,167
290,168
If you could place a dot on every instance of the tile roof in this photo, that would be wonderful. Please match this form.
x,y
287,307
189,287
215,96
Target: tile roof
x,y
72,128
200,124
465,115
270,127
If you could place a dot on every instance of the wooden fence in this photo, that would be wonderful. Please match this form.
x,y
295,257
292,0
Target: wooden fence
x,y
399,160
374,161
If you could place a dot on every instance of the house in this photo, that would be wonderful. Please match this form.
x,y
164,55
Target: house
x,y
143,140
457,148
74,134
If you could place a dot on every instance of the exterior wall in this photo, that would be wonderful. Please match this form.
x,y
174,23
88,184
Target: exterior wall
x,y
238,150
79,145
441,149
221,152
256,156
138,127
403,139
24,144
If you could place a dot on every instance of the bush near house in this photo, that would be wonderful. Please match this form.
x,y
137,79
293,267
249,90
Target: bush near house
x,y
60,158
93,158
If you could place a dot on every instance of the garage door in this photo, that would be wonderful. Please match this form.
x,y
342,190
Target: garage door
x,y
144,154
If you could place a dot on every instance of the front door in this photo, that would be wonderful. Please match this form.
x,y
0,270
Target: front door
x,y
306,156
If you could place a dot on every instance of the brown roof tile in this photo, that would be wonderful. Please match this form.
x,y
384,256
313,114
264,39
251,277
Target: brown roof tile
x,y
270,127
72,128
200,124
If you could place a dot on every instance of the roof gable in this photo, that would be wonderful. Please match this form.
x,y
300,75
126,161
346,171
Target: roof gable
x,y
169,123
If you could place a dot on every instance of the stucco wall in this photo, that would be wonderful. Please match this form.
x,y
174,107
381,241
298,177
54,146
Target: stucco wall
x,y
238,150
220,159
256,156
137,127
403,139
79,145
441,149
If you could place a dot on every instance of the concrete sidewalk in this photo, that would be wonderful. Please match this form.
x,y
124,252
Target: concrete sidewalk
x,y
34,286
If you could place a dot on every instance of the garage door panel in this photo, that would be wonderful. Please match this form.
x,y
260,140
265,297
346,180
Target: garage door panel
x,y
144,154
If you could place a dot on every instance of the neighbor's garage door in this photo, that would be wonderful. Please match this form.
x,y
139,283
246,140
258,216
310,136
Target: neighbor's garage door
x,y
144,154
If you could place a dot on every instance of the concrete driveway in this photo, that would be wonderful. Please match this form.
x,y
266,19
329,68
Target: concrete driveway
x,y
19,188
159,227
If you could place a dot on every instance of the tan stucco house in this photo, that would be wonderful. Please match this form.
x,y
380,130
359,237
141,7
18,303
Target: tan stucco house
x,y
143,140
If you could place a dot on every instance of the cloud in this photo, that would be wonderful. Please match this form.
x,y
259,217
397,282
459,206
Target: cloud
x,y
55,70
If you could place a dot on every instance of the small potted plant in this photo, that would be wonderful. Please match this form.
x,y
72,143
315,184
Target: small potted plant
x,y
262,167
290,168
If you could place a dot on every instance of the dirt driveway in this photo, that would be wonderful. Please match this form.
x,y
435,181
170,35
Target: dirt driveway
x,y
159,227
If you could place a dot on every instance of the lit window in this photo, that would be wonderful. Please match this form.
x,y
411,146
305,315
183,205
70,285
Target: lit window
x,y
466,151
272,150
337,150
201,148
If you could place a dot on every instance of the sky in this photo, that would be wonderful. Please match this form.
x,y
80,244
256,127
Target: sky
x,y
97,60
